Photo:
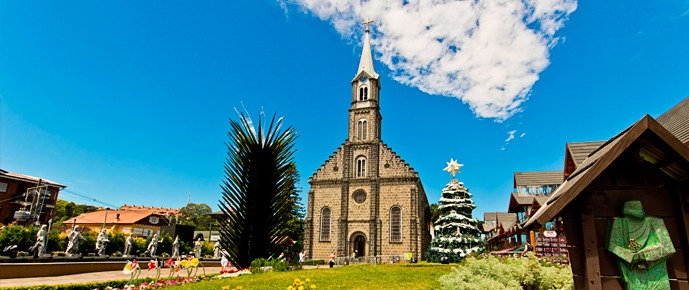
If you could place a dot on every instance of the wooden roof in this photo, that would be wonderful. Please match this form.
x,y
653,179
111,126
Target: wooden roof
x,y
501,219
579,151
676,120
537,178
670,163
518,200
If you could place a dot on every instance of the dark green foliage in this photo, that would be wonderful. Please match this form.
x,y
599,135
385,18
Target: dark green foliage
x,y
65,210
295,225
116,243
196,215
277,265
314,262
88,244
257,190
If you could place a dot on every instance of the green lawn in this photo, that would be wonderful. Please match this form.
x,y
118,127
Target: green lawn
x,y
414,276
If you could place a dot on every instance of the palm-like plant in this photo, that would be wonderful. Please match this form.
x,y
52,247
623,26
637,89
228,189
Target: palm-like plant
x,y
257,189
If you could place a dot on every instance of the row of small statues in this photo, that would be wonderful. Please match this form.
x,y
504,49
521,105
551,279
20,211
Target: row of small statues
x,y
102,241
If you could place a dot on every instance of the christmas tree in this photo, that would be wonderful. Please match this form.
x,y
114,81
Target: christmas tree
x,y
456,232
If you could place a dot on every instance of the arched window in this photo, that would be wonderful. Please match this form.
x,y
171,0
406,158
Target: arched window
x,y
395,224
325,224
362,129
361,167
363,93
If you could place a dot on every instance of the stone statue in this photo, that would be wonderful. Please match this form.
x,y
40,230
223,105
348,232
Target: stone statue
x,y
128,246
641,245
102,242
152,246
175,247
41,239
216,250
73,241
197,248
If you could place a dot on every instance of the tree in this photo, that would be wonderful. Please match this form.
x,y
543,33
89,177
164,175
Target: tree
x,y
197,215
456,233
295,225
257,189
65,210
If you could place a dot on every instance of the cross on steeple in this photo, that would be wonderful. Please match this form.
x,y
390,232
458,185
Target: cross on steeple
x,y
366,23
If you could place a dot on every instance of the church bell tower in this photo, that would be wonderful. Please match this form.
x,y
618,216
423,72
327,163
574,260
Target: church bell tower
x,y
364,114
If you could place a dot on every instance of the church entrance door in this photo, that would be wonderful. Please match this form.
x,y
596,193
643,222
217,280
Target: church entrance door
x,y
360,246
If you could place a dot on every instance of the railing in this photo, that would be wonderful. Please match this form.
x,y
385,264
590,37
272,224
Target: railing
x,y
388,259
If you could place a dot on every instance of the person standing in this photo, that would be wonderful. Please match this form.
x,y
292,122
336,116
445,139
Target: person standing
x,y
332,259
302,257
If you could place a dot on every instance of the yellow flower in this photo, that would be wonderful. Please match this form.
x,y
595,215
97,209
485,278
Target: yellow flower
x,y
313,286
308,280
290,288
239,287
194,262
225,287
184,263
301,288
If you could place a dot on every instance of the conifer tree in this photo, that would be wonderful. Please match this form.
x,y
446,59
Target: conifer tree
x,y
456,232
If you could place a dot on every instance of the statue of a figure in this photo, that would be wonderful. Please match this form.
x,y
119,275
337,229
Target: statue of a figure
x,y
197,248
216,250
41,239
175,247
102,242
152,246
73,242
642,245
128,246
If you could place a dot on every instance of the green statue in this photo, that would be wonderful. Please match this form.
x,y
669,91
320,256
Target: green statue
x,y
642,245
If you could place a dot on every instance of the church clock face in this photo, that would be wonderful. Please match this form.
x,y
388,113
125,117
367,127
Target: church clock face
x,y
363,80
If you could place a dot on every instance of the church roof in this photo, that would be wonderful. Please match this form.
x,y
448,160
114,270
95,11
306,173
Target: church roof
x,y
676,120
366,61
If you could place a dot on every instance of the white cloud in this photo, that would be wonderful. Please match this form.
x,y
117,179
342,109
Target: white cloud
x,y
522,135
488,53
511,133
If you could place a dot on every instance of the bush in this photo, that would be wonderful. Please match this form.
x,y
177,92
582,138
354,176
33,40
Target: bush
x,y
507,273
23,237
314,262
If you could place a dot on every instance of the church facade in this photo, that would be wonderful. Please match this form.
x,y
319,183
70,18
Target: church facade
x,y
365,199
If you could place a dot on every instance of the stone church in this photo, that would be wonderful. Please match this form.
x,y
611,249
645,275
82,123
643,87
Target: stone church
x,y
365,198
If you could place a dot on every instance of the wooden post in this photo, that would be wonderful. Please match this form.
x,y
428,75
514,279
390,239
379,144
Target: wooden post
x,y
592,266
532,240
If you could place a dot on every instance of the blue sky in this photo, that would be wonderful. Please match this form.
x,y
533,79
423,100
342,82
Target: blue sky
x,y
128,102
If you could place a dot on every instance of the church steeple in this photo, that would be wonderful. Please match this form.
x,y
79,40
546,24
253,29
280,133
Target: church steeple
x,y
364,115
366,61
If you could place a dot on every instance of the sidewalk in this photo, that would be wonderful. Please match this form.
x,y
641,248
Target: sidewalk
x,y
101,277
89,277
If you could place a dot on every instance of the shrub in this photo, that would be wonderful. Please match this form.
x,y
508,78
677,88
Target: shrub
x,y
507,273
314,262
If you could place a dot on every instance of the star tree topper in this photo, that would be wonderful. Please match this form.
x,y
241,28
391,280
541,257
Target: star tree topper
x,y
453,167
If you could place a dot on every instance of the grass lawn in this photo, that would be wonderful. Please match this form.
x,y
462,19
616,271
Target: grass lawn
x,y
414,276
